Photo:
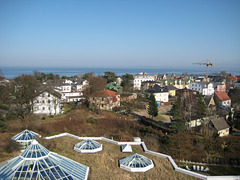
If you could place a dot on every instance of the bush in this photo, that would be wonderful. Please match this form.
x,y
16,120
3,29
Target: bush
x,y
43,118
11,116
4,107
12,146
3,125
92,120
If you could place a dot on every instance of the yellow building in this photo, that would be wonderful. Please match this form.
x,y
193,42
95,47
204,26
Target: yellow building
x,y
172,90
221,126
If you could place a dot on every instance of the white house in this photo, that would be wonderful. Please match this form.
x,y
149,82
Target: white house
x,y
161,94
48,102
204,88
138,79
66,87
75,96
80,85
223,98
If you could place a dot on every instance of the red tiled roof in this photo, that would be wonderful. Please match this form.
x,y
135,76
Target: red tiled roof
x,y
222,96
105,93
234,78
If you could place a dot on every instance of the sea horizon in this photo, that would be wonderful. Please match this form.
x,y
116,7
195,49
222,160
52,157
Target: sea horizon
x,y
12,72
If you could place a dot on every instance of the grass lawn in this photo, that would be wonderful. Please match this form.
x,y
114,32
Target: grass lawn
x,y
159,118
105,164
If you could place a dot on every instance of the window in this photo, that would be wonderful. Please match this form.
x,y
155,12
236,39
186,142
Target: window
x,y
43,101
102,99
49,101
49,95
37,101
43,108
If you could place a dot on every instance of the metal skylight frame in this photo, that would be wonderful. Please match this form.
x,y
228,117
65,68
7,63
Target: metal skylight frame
x,y
46,166
136,163
88,146
26,137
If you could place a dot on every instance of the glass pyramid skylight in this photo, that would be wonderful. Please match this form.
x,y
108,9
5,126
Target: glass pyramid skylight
x,y
127,148
88,146
25,137
36,162
136,163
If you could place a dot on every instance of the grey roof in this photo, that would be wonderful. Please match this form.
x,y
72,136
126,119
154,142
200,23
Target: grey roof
x,y
220,123
171,87
48,90
152,82
156,89
207,99
36,162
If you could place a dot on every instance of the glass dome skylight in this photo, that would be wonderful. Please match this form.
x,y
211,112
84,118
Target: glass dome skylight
x,y
25,137
136,163
88,146
36,162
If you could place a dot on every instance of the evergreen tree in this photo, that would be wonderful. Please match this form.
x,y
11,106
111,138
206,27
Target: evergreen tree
x,y
3,125
201,107
152,108
110,76
176,109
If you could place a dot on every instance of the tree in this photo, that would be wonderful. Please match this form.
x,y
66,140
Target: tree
x,y
152,108
110,76
127,81
176,109
96,83
25,89
201,107
4,93
3,125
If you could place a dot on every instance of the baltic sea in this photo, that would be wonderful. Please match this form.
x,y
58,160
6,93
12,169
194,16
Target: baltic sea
x,y
12,72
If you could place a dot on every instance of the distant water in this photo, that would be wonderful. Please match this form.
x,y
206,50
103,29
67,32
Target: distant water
x,y
12,72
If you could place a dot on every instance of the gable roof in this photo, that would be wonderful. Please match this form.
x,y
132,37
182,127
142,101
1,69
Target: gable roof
x,y
222,96
156,89
171,87
50,91
105,93
220,123
207,99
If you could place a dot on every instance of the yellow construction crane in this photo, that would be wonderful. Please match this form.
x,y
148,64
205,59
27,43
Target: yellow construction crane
x,y
207,64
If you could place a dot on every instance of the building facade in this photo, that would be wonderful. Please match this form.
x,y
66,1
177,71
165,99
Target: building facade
x,y
138,79
204,88
104,100
48,102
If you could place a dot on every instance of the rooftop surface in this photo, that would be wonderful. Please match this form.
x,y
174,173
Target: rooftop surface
x,y
105,164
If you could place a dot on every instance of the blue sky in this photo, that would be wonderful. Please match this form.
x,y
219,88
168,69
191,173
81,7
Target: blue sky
x,y
119,33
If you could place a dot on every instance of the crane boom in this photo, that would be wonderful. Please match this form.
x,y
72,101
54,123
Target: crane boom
x,y
207,64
